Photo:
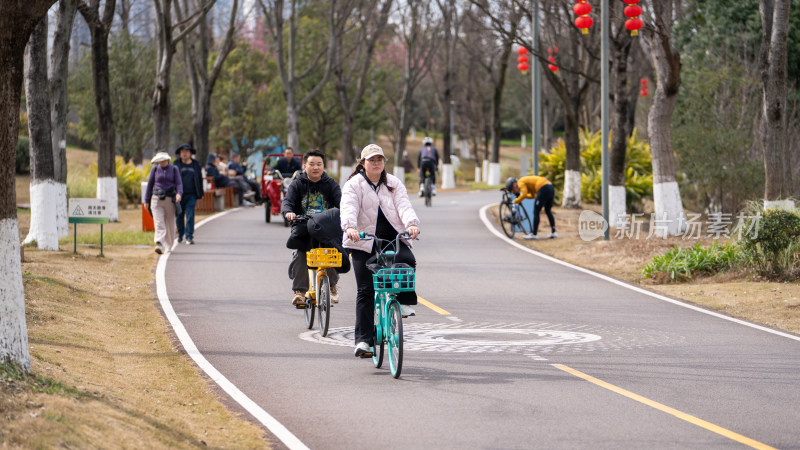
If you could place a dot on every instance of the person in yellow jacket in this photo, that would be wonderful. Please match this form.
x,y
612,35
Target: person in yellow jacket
x,y
541,189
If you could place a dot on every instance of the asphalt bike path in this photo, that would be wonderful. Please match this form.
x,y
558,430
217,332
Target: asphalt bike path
x,y
513,350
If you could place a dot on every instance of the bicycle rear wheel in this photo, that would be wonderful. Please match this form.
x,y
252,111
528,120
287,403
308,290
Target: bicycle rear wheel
x,y
324,303
507,220
309,312
377,348
394,336
428,190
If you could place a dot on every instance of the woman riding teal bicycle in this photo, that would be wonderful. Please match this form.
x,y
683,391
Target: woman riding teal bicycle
x,y
376,203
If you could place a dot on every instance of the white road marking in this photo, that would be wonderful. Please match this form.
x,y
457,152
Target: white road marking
x,y
490,226
277,428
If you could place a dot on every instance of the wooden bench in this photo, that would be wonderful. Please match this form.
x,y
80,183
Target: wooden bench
x,y
206,204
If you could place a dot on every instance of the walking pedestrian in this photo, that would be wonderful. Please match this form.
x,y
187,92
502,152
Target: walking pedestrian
x,y
164,190
192,179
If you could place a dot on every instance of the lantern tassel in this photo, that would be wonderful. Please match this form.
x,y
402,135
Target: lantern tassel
x,y
635,33
584,30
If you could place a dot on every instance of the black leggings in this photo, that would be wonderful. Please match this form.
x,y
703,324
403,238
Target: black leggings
x,y
544,198
365,296
427,167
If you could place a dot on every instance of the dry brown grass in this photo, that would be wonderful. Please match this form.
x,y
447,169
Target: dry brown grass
x,y
774,304
95,329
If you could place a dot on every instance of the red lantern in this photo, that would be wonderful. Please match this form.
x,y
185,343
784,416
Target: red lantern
x,y
643,92
522,51
643,82
523,67
632,12
643,89
584,23
522,59
582,9
552,66
633,25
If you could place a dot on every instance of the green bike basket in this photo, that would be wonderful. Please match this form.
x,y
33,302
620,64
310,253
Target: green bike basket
x,y
400,279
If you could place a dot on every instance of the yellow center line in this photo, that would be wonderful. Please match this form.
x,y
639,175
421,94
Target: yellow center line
x,y
432,306
681,415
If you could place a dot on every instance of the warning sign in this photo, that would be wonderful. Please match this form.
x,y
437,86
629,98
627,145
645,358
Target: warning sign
x,y
88,207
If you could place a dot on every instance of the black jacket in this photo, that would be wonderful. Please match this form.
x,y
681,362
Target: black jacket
x,y
326,230
288,168
307,197
191,175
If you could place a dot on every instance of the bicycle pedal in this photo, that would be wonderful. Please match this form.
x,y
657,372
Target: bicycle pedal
x,y
300,306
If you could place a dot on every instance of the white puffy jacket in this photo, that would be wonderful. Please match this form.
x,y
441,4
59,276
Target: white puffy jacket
x,y
359,208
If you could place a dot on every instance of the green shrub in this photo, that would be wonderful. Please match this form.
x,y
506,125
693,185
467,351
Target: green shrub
x,y
81,186
129,179
638,174
772,247
23,163
683,263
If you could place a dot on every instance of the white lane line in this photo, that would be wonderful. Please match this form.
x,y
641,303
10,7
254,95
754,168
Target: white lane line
x,y
277,428
490,226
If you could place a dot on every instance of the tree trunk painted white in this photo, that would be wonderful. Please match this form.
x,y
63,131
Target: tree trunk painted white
x,y
787,205
572,189
345,174
448,177
13,329
485,170
616,206
477,174
62,215
494,174
44,231
669,209
400,173
107,190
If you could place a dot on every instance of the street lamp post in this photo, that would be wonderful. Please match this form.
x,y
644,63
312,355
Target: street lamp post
x,y
536,80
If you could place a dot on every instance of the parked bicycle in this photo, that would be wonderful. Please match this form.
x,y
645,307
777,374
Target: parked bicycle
x,y
389,279
513,217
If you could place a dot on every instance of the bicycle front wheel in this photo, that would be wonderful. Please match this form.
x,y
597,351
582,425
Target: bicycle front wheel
x,y
428,190
309,312
377,348
394,336
324,304
507,220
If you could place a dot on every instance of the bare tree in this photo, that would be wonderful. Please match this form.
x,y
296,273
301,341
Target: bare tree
x,y
169,34
773,65
415,46
59,106
100,27
352,61
494,59
196,48
274,16
17,20
666,61
445,80
43,186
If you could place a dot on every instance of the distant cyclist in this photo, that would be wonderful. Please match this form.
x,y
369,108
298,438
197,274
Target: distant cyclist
x,y
541,189
427,162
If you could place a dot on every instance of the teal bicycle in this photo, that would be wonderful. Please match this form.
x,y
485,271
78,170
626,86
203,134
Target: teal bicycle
x,y
389,279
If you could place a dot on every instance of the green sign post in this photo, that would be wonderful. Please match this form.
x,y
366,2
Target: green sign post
x,y
87,210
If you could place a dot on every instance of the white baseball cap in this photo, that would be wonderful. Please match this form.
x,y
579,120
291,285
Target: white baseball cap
x,y
371,150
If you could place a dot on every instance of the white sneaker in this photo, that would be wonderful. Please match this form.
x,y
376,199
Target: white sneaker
x,y
159,248
406,311
420,192
433,191
249,194
363,350
530,236
334,294
553,235
248,203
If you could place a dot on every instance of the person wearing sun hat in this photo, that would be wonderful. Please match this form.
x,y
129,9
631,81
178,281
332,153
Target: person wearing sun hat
x,y
375,202
192,179
164,190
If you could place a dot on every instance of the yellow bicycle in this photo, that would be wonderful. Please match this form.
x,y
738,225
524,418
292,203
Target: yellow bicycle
x,y
319,293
